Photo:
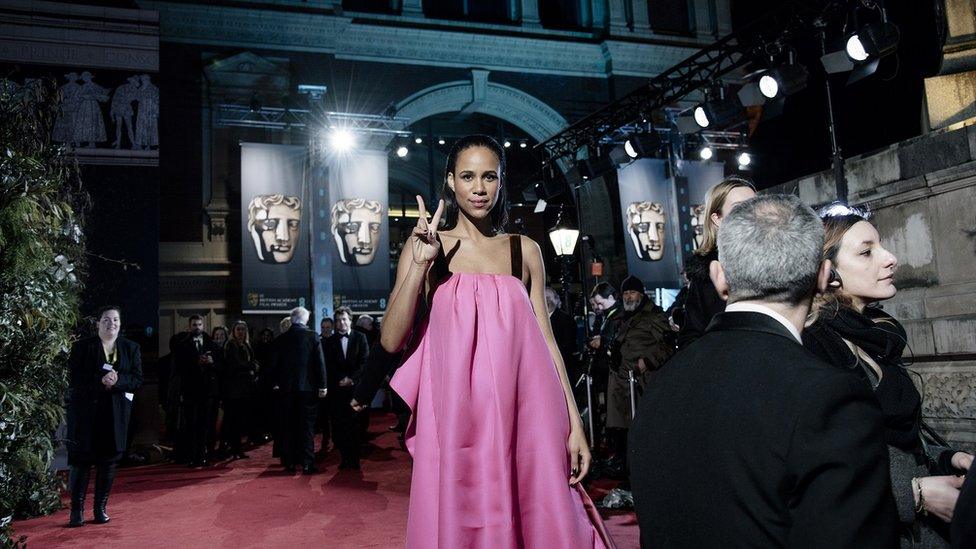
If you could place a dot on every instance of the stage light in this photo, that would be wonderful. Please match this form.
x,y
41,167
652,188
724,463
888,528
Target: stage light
x,y
643,145
768,86
629,149
719,114
402,151
440,141
507,143
620,156
744,159
863,51
523,144
701,117
855,49
418,140
341,140
706,153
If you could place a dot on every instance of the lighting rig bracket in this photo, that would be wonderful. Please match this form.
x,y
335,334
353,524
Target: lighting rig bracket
x,y
699,71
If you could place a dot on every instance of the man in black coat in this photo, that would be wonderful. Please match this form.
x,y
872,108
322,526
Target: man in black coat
x,y
346,352
564,332
302,380
746,439
196,360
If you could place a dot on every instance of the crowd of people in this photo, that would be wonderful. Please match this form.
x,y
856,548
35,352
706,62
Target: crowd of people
x,y
768,406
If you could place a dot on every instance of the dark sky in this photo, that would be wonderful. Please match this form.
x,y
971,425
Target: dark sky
x,y
882,109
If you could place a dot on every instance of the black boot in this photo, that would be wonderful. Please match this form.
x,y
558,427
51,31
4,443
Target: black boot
x,y
104,476
78,486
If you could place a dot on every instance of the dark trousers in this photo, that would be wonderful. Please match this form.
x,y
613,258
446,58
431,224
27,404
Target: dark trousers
x,y
196,428
233,426
346,425
298,428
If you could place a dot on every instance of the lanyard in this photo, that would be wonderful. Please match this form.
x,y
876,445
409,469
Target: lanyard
x,y
113,357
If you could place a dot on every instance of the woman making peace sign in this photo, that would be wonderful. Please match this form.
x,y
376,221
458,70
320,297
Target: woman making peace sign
x,y
493,413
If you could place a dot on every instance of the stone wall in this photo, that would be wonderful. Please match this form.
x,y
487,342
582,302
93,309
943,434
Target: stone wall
x,y
922,193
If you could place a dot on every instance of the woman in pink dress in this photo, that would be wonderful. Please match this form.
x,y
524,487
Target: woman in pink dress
x,y
497,441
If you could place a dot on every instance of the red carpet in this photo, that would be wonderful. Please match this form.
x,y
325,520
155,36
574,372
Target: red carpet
x,y
254,503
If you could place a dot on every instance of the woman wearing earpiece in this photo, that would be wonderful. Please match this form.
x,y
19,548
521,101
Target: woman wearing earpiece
x,y
847,331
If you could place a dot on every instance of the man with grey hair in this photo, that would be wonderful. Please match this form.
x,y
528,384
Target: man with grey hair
x,y
747,439
564,332
300,368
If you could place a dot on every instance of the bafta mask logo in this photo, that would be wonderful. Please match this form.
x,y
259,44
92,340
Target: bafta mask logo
x,y
698,224
252,299
356,226
645,223
273,220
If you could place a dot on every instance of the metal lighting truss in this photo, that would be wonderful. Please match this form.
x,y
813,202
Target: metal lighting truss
x,y
277,118
702,70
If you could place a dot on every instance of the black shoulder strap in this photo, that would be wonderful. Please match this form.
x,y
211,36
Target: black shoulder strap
x,y
516,244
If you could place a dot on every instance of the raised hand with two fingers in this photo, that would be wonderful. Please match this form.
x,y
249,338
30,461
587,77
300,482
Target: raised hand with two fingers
x,y
423,239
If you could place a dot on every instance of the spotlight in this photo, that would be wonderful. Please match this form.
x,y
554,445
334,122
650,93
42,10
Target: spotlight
x,y
718,114
744,159
863,50
523,144
640,145
620,155
418,140
341,140
402,151
440,141
774,84
507,143
701,117
705,153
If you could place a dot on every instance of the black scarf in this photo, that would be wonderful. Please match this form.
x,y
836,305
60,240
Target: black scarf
x,y
883,339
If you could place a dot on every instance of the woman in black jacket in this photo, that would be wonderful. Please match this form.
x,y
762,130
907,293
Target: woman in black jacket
x,y
847,331
702,302
105,372
237,382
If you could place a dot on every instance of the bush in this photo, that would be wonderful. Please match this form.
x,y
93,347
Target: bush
x,y
41,255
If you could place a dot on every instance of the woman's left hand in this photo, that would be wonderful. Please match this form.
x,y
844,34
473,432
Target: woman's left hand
x,y
579,455
962,460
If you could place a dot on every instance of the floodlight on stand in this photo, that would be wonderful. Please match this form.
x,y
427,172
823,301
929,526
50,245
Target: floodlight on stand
x,y
862,51
705,153
563,237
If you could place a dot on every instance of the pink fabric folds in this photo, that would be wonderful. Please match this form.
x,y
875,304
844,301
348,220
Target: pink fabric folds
x,y
489,427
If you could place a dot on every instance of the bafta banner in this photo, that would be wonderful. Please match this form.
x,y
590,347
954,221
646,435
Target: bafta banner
x,y
352,244
701,176
274,228
650,223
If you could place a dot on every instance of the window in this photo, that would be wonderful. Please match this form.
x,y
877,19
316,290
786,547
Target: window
x,y
486,11
563,14
670,16
371,6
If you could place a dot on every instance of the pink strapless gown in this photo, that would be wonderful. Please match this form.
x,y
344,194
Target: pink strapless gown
x,y
489,427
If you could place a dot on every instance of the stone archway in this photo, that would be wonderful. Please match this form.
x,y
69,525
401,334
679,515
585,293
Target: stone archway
x,y
533,116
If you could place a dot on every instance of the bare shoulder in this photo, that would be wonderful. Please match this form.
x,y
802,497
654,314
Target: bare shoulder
x,y
531,251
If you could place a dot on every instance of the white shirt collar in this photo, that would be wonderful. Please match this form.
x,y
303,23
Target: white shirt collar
x,y
762,309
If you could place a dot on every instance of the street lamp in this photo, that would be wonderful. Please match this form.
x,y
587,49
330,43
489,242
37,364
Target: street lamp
x,y
564,238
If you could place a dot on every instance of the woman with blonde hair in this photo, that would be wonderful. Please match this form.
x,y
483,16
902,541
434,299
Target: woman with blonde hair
x,y
237,386
847,330
703,301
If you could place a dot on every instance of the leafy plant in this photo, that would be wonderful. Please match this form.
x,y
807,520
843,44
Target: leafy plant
x,y
41,254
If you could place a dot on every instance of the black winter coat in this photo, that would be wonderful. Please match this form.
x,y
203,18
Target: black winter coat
x,y
702,301
85,389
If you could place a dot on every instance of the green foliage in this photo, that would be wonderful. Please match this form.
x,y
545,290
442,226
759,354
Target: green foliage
x,y
41,252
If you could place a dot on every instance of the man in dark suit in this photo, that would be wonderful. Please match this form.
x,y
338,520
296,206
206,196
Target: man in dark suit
x,y
564,332
746,439
302,380
196,361
346,352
